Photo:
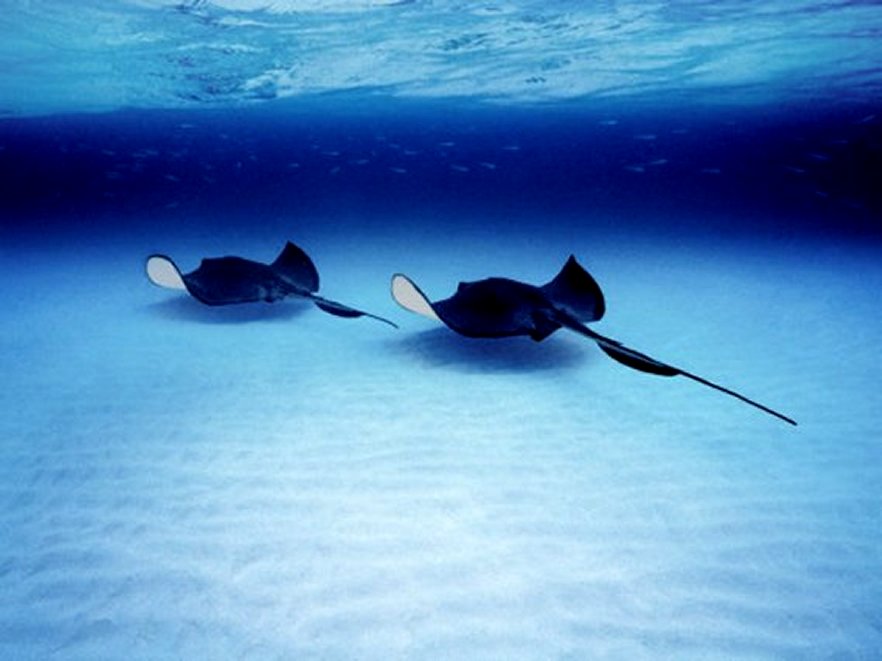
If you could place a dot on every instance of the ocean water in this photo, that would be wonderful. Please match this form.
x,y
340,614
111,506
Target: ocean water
x,y
267,481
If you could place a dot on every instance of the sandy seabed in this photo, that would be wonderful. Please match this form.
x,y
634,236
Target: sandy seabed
x,y
270,482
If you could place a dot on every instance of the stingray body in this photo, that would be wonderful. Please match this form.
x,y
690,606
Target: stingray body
x,y
230,280
501,307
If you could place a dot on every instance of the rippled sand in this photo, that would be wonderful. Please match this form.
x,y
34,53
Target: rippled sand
x,y
274,482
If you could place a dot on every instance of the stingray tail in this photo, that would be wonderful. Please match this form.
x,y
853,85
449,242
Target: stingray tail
x,y
340,310
640,361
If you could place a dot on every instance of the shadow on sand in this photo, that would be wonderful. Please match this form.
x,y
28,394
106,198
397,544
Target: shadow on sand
x,y
184,308
440,347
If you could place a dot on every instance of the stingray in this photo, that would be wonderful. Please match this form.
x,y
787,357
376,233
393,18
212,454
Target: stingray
x,y
229,280
500,307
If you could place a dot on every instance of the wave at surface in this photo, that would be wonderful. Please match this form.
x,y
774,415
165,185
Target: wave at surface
x,y
103,55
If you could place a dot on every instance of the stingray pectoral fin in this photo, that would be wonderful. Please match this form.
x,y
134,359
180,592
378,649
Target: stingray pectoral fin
x,y
163,272
574,290
410,297
340,310
296,268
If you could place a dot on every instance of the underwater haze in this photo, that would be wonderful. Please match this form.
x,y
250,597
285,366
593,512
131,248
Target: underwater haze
x,y
268,481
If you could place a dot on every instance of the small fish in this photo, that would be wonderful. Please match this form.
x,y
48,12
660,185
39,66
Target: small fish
x,y
145,153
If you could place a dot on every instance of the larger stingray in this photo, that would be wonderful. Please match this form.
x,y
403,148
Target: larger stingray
x,y
500,307
228,280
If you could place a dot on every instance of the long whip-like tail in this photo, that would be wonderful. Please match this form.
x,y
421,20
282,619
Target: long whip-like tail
x,y
341,310
640,361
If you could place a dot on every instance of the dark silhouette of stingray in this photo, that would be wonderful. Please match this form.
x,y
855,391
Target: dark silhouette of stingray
x,y
500,307
229,280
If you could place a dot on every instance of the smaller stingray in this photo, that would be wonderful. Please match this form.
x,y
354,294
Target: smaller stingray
x,y
500,307
228,280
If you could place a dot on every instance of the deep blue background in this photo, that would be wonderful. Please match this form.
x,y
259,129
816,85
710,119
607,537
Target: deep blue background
x,y
754,169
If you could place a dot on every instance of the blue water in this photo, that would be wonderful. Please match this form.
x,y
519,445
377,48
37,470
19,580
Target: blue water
x,y
268,481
